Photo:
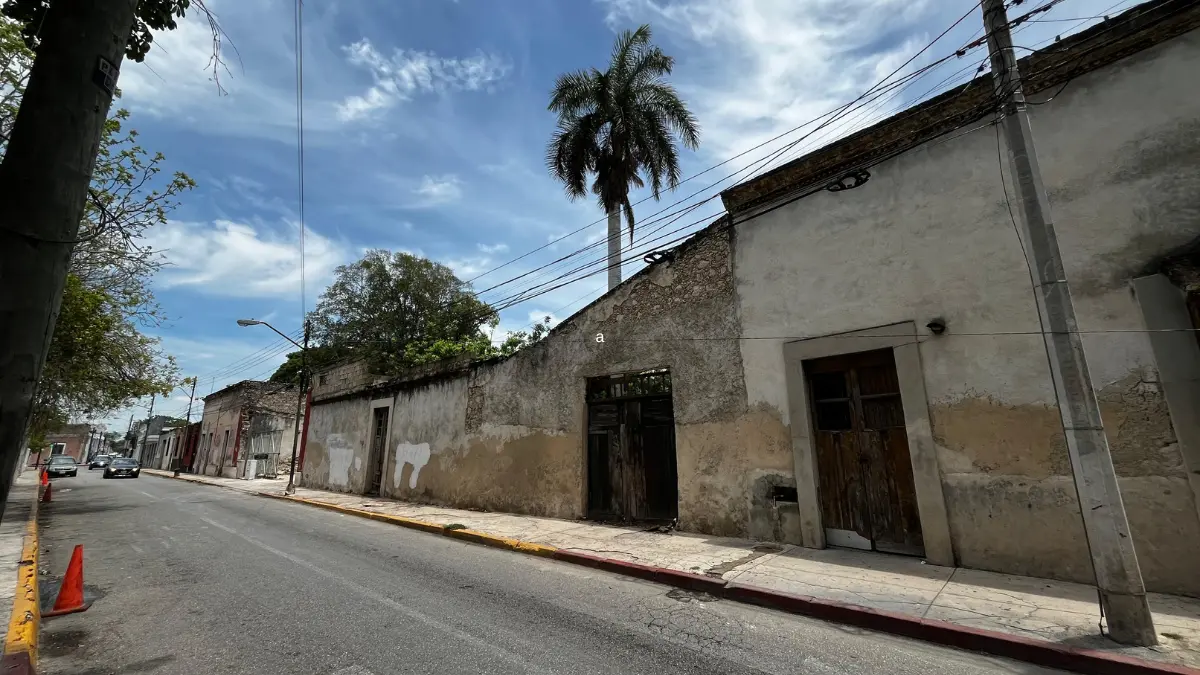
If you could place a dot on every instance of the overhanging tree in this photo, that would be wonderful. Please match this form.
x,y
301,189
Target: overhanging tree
x,y
46,170
618,126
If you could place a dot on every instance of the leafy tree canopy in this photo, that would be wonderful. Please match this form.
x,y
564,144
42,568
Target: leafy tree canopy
x,y
397,310
619,126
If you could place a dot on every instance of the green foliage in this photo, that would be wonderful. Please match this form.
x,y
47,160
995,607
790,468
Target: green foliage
x,y
318,358
387,304
98,359
619,125
397,310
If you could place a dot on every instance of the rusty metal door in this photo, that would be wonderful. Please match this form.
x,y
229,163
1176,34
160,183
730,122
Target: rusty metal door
x,y
631,448
864,472
379,423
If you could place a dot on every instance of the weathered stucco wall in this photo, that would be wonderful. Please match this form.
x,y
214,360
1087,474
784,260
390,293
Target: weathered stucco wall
x,y
338,442
510,435
930,236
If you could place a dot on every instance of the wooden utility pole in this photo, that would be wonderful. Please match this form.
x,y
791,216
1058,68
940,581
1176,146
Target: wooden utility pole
x,y
1118,576
44,180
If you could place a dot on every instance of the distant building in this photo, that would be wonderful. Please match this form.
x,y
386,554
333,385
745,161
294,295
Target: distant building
x,y
248,421
75,440
147,434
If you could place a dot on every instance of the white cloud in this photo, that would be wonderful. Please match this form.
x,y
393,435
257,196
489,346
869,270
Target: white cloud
x,y
751,69
468,266
407,73
439,189
494,248
225,258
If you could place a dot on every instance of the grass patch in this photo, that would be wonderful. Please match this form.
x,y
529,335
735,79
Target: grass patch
x,y
456,526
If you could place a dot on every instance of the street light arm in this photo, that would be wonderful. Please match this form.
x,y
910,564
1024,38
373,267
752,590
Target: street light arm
x,y
253,322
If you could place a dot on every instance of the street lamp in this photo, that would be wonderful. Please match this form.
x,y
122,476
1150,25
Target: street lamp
x,y
291,486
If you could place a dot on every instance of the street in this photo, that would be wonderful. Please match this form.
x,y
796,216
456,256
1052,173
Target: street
x,y
196,579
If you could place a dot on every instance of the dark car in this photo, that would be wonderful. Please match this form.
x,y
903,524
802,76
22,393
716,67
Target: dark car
x,y
62,465
122,467
99,461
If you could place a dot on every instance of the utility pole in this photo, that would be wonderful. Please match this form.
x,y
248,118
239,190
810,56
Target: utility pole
x,y
291,486
187,437
141,445
44,180
1118,576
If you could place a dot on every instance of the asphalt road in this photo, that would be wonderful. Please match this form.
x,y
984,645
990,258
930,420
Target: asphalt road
x,y
196,579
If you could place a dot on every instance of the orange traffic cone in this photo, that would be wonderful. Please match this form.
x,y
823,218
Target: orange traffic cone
x,y
70,593
45,478
46,493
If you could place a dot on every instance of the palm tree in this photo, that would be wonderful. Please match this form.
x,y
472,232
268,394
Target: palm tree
x,y
619,125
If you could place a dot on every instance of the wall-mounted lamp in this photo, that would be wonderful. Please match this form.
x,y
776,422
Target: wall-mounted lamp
x,y
936,326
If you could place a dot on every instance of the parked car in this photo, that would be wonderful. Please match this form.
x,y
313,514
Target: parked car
x,y
122,467
99,461
62,465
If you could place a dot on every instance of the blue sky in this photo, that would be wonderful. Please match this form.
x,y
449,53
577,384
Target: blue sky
x,y
425,129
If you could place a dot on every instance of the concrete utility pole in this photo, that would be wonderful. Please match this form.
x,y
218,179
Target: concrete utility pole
x,y
186,428
291,486
44,179
1118,576
141,445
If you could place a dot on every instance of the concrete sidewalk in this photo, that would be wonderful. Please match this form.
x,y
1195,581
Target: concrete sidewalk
x,y
829,583
18,574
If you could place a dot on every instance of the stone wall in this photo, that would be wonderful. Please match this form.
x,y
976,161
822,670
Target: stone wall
x,y
509,435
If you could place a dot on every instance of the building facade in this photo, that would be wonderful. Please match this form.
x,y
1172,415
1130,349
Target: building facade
x,y
246,425
862,367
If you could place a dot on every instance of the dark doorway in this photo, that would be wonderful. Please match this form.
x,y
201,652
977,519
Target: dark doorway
x,y
631,448
379,424
865,478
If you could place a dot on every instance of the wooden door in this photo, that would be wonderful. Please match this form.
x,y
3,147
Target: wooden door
x,y
868,499
631,448
379,423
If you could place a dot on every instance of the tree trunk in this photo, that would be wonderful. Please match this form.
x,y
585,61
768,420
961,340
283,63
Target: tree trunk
x,y
44,180
614,248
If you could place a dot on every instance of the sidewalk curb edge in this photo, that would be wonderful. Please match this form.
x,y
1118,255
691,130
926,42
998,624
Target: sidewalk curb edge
x,y
21,640
1076,659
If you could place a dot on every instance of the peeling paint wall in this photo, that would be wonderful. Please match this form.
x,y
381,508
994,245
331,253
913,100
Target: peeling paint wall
x,y
338,442
930,236
509,435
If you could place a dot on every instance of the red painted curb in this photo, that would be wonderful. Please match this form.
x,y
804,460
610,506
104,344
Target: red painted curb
x,y
1090,661
17,663
692,582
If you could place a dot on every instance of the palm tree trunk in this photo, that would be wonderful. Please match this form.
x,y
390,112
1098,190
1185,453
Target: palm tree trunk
x,y
44,180
614,248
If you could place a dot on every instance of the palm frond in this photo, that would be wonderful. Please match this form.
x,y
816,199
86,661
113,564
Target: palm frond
x,y
574,93
628,43
628,209
680,120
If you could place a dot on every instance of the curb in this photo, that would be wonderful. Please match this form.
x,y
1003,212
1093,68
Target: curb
x,y
21,641
1076,659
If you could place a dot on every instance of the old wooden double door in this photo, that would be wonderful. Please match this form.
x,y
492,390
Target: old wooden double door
x,y
864,472
631,448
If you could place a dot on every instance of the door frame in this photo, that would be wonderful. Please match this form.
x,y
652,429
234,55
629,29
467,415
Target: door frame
x,y
902,338
386,451
585,425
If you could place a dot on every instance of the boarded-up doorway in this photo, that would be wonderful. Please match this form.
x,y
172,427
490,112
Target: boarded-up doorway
x,y
865,478
379,425
631,448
